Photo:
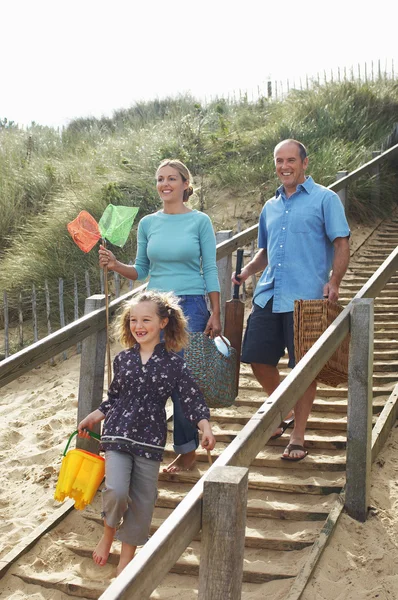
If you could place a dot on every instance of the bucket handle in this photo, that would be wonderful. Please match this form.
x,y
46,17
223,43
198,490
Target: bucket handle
x,y
91,433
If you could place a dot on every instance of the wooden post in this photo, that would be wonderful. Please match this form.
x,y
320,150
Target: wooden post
x,y
224,272
6,331
359,414
48,313
238,229
87,281
131,282
116,278
254,278
34,315
20,321
375,192
92,369
61,309
342,193
76,308
223,534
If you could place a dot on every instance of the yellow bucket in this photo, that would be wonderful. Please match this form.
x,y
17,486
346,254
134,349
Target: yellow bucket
x,y
80,476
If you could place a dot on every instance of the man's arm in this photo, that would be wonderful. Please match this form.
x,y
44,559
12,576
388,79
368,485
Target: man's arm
x,y
340,263
258,263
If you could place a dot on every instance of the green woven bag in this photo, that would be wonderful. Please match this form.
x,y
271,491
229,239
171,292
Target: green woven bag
x,y
214,373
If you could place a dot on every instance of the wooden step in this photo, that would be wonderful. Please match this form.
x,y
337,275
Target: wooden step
x,y
276,565
314,439
320,405
75,586
326,421
274,504
272,480
270,534
271,457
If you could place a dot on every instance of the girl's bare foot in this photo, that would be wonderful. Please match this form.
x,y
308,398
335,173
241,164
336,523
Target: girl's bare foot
x,y
183,462
103,548
126,555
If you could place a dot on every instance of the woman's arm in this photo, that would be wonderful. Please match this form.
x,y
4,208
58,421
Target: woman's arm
x,y
141,268
213,327
208,440
108,259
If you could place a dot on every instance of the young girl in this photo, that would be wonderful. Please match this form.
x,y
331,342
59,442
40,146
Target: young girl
x,y
134,432
176,247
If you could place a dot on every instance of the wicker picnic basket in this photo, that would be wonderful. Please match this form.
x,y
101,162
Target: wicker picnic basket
x,y
311,319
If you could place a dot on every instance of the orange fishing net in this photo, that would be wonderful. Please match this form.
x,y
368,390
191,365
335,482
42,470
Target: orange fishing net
x,y
84,231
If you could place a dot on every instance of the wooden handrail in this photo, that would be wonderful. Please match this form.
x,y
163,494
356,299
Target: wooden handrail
x,y
366,168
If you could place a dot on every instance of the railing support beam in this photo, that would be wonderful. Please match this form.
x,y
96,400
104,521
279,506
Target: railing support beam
x,y
224,272
343,193
223,534
375,191
92,369
359,415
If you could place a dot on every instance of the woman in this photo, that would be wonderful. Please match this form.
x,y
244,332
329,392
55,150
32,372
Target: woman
x,y
176,247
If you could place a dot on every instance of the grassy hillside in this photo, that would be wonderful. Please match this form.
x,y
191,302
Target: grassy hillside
x,y
47,176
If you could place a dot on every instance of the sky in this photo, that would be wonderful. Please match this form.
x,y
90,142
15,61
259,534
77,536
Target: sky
x,y
67,59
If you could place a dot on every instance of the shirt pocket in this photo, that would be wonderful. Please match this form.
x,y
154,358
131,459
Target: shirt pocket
x,y
304,222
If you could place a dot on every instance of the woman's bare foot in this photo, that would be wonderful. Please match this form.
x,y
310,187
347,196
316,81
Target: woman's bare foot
x,y
126,555
103,548
183,462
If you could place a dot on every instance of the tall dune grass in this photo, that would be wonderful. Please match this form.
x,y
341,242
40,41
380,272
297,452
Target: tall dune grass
x,y
47,176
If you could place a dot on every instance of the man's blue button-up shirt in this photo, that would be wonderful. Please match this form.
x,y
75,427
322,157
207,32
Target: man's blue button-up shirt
x,y
298,233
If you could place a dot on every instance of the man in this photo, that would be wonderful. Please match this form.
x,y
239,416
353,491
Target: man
x,y
303,252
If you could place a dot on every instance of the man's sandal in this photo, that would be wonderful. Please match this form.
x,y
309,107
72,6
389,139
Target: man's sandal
x,y
290,448
283,426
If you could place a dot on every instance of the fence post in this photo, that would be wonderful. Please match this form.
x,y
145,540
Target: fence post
x,y
61,309
342,193
359,414
76,308
375,192
224,272
6,329
92,369
34,314
223,534
48,313
20,321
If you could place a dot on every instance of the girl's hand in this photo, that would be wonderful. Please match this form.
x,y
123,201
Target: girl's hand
x,y
88,423
106,258
213,327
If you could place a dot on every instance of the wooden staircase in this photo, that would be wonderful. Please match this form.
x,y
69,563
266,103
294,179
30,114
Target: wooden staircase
x,y
287,502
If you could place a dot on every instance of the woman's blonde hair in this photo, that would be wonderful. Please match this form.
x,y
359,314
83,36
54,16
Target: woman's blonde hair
x,y
167,306
183,170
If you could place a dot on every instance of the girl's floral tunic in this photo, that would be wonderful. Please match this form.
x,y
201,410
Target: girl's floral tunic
x,y
135,420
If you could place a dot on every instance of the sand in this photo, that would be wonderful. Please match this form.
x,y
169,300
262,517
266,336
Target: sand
x,y
37,414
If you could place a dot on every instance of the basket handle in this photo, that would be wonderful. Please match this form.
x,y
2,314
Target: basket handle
x,y
91,433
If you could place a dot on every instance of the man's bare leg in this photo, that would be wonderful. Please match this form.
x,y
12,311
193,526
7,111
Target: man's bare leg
x,y
268,377
126,555
101,552
301,413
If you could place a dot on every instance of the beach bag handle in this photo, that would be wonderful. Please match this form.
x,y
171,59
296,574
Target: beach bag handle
x,y
92,434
